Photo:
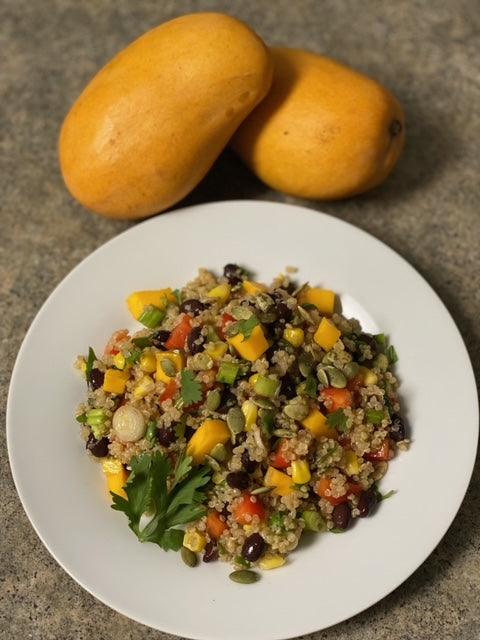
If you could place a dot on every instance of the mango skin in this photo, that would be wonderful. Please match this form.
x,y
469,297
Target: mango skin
x,y
150,124
324,131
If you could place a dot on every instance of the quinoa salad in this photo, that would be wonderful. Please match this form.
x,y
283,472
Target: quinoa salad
x,y
239,415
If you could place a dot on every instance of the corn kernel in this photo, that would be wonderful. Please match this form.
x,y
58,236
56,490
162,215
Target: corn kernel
x,y
216,350
83,366
250,412
148,362
222,292
271,562
300,471
252,288
294,336
144,387
194,541
119,361
253,379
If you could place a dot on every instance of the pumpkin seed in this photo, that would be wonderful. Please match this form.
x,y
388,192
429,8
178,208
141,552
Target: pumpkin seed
x,y
201,361
305,363
336,377
264,302
322,376
283,433
212,463
168,367
189,557
263,403
214,399
267,317
296,410
242,312
303,313
235,420
351,369
244,576
219,452
261,490
299,289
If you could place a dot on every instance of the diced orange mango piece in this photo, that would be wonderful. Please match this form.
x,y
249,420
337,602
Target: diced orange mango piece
x,y
115,381
250,348
282,482
177,359
323,299
221,291
327,334
138,300
316,422
116,476
209,433
252,288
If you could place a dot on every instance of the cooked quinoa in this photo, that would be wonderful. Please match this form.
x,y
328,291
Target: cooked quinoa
x,y
290,409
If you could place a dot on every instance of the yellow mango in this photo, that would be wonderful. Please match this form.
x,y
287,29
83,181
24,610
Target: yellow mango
x,y
327,334
115,381
281,482
324,131
208,434
316,422
116,476
250,348
139,300
151,123
176,359
323,299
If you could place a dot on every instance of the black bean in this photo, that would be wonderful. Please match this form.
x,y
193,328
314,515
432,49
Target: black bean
x,y
195,340
397,429
228,401
288,387
284,313
233,273
367,502
192,306
98,448
342,515
211,551
166,436
238,480
248,464
96,379
253,547
159,339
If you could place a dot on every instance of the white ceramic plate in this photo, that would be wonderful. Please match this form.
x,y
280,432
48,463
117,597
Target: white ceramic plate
x,y
326,581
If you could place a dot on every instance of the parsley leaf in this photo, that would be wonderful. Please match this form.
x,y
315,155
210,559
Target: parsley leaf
x,y
191,389
171,496
338,420
89,364
247,326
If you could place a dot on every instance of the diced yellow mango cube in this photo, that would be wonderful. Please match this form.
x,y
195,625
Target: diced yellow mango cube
x,y
250,348
176,358
252,288
281,482
209,433
116,476
300,471
369,376
138,300
327,334
222,292
352,463
323,299
316,422
216,350
115,381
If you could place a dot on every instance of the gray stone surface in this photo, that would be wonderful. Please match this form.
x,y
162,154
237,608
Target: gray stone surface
x,y
428,211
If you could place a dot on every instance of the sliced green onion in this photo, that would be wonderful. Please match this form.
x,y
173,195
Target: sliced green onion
x,y
381,339
133,358
152,432
227,372
151,316
142,342
266,386
375,416
391,354
82,418
314,521
89,364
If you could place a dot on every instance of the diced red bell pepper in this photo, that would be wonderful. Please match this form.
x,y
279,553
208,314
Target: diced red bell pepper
x,y
323,490
226,319
279,461
169,391
380,455
335,398
180,334
248,507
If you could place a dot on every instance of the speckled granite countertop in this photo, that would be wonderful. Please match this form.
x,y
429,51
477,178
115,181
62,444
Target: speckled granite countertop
x,y
428,211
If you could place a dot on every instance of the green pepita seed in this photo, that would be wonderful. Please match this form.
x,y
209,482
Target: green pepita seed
x,y
219,452
212,463
305,363
261,490
242,312
296,410
299,289
283,433
336,377
189,557
322,376
351,369
263,403
264,302
201,361
235,420
306,317
267,317
168,367
213,400
244,576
